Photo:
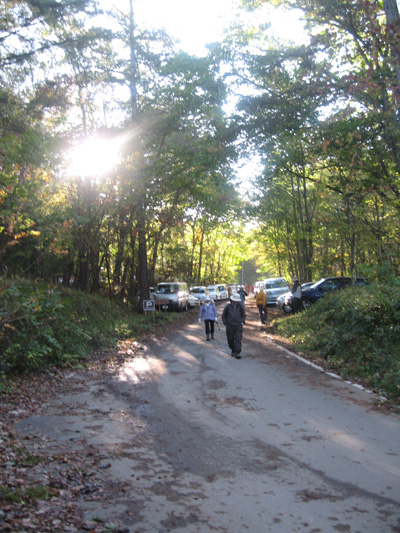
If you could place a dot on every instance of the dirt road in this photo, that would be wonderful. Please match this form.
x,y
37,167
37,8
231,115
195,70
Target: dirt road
x,y
182,437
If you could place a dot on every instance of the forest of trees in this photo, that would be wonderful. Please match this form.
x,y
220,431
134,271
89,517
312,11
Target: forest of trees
x,y
322,116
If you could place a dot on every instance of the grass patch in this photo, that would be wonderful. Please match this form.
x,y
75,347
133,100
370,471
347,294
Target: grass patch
x,y
25,494
356,332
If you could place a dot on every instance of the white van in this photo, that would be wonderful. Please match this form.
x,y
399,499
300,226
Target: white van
x,y
172,295
274,287
223,291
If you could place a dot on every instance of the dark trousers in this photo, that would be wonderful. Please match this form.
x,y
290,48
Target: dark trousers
x,y
263,313
209,326
297,305
234,338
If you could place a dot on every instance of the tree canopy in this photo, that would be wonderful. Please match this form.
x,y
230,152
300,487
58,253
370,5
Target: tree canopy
x,y
323,116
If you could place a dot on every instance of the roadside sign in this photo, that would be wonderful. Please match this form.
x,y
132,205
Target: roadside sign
x,y
149,305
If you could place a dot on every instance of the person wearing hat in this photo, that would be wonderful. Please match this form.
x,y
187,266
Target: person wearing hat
x,y
296,295
234,318
261,303
208,311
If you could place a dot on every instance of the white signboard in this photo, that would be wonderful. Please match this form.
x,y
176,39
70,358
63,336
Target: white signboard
x,y
148,305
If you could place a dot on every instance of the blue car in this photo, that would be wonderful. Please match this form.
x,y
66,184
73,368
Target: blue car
x,y
312,294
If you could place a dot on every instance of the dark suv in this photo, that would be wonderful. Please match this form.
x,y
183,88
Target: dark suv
x,y
312,294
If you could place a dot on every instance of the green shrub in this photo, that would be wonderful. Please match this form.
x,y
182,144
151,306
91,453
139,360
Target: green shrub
x,y
35,330
42,326
356,331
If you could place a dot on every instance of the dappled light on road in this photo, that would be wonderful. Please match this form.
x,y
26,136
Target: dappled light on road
x,y
139,368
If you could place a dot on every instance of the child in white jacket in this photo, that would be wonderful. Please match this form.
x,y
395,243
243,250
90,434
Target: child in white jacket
x,y
208,312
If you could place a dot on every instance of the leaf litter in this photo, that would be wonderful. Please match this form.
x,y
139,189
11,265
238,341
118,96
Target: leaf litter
x,y
41,489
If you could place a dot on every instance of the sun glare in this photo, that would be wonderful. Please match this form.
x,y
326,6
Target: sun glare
x,y
94,157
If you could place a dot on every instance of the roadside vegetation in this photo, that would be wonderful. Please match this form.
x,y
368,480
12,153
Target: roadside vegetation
x,y
42,326
355,333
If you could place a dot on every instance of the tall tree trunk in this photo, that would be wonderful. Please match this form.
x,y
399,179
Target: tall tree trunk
x,y
132,277
200,256
119,256
392,11
194,240
297,223
141,217
157,239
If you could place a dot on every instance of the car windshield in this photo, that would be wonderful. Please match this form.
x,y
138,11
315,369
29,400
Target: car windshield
x,y
276,284
330,284
169,288
197,290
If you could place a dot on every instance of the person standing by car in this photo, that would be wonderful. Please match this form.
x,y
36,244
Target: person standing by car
x,y
234,318
262,306
209,312
296,295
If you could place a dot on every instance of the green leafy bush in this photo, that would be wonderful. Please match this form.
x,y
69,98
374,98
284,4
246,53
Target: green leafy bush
x,y
42,325
356,331
35,329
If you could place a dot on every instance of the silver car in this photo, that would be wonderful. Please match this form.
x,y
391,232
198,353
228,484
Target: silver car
x,y
214,293
171,296
223,291
273,288
197,295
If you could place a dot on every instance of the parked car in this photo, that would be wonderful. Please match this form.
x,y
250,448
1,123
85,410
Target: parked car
x,y
273,288
172,295
193,301
214,293
258,286
223,290
196,295
283,301
312,294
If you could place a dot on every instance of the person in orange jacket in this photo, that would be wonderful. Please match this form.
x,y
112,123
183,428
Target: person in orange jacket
x,y
262,306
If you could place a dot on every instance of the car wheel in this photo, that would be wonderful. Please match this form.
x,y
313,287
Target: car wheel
x,y
287,308
306,304
183,306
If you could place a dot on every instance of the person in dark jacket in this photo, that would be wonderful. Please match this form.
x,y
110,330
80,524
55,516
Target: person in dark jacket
x,y
242,293
234,318
296,295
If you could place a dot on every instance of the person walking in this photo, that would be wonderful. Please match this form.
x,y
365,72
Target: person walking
x,y
242,294
296,295
208,312
262,306
234,318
